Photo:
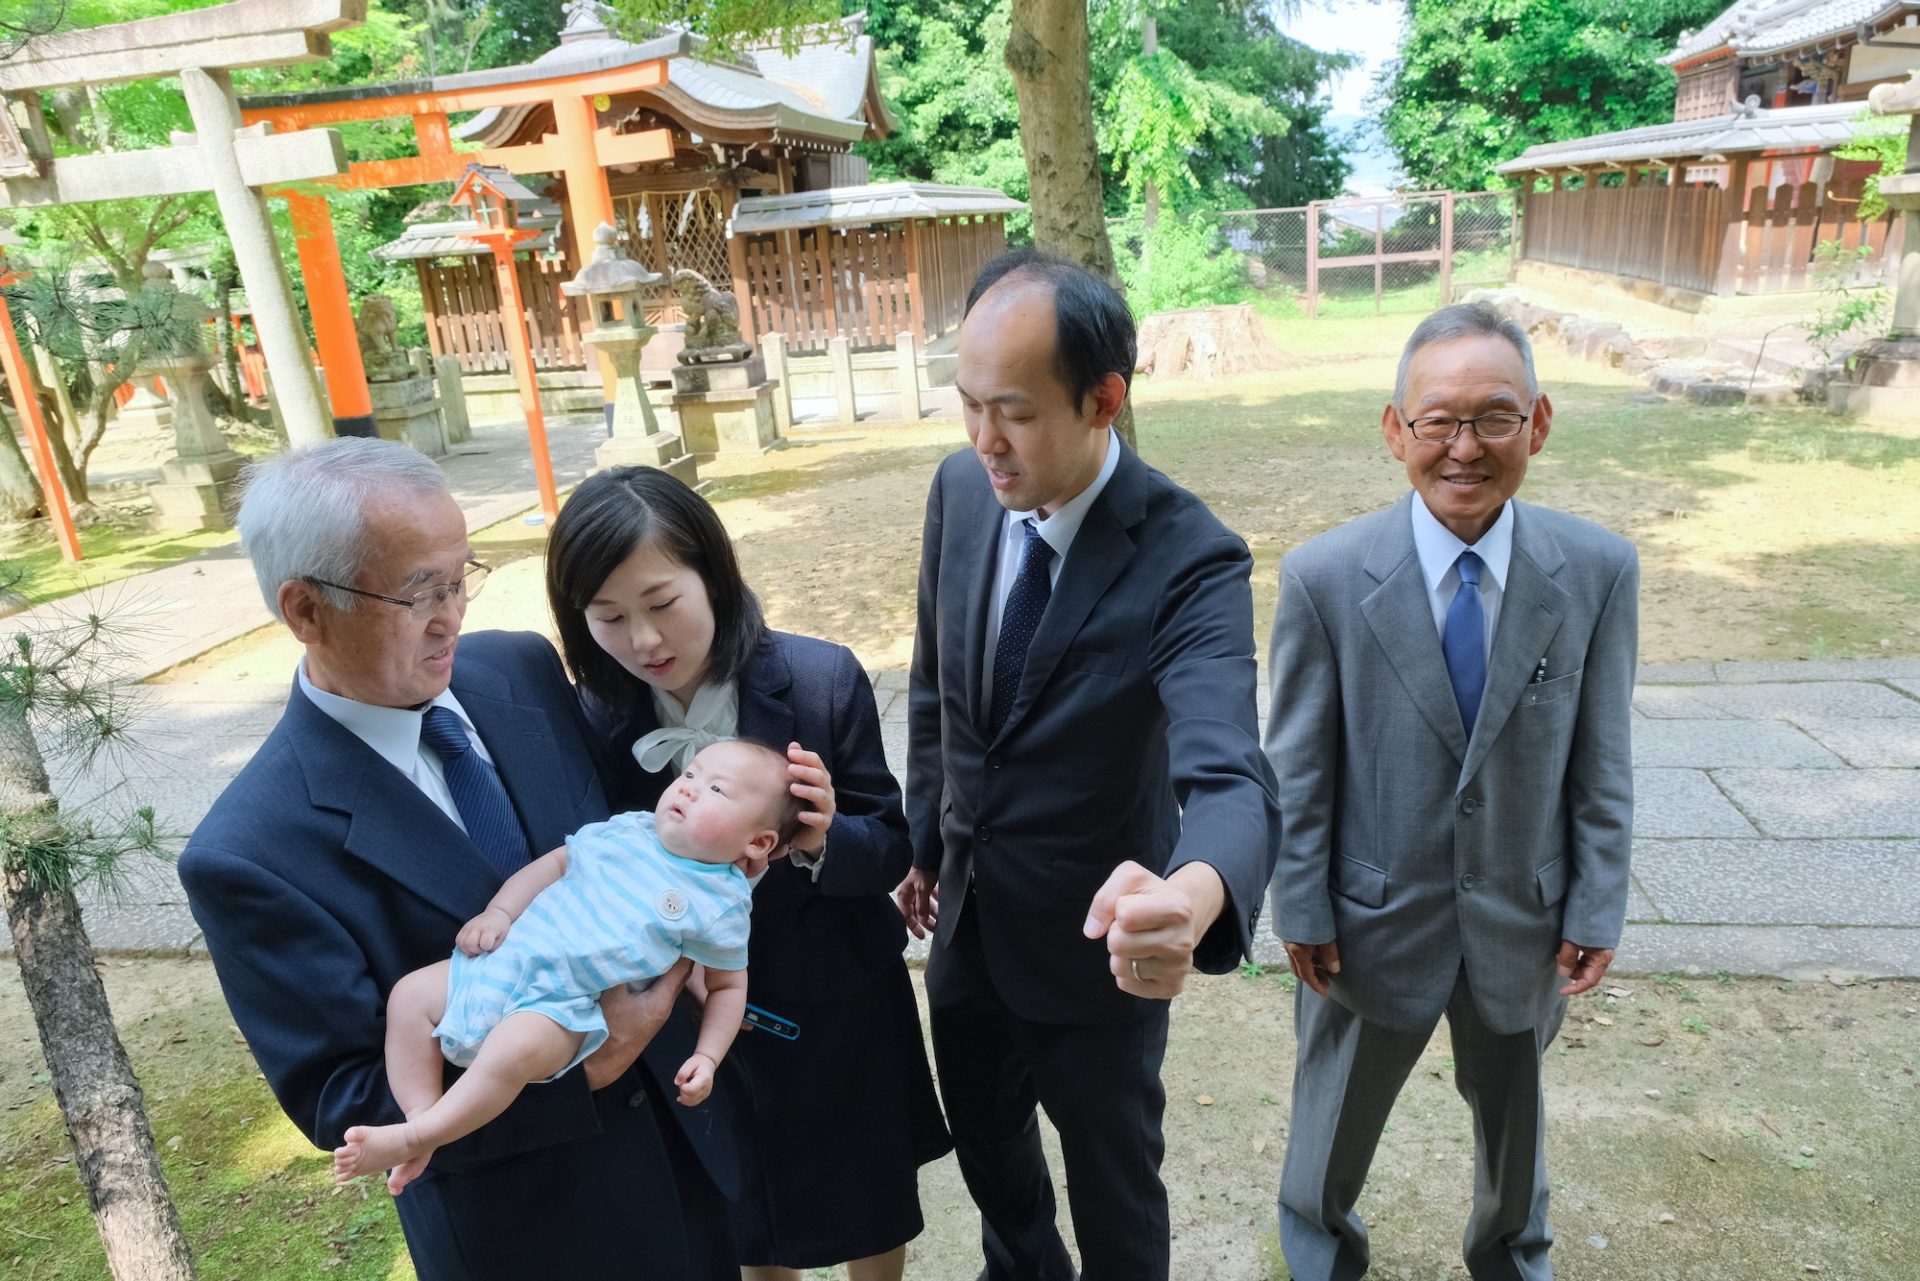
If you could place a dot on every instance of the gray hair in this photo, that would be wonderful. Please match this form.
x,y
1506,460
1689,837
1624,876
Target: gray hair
x,y
1464,320
303,513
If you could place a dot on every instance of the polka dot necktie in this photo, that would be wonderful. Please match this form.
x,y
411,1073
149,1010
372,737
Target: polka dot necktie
x,y
1018,622
477,793
1464,642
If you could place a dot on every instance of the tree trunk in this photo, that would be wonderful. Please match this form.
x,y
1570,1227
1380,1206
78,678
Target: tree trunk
x,y
92,1079
19,492
1204,342
1047,54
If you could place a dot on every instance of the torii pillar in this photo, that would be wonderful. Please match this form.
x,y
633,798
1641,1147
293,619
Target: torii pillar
x,y
202,47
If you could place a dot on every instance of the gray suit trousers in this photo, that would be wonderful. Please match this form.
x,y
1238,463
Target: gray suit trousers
x,y
1346,1077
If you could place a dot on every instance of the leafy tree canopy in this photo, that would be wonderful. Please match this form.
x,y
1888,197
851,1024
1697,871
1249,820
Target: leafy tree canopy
x,y
1479,81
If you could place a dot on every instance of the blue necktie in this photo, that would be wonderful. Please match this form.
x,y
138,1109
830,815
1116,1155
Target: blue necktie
x,y
477,793
1018,622
1465,641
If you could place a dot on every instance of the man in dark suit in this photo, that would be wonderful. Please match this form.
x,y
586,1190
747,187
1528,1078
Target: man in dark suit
x,y
400,787
1091,815
1452,687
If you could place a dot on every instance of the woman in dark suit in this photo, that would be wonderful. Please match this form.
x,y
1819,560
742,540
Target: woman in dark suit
x,y
670,651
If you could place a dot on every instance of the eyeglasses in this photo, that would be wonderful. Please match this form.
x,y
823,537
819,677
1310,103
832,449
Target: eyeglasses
x,y
1498,426
425,603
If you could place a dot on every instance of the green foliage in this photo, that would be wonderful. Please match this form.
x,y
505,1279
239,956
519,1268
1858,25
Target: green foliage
x,y
1228,113
1843,309
1178,262
60,679
1881,138
1479,81
728,25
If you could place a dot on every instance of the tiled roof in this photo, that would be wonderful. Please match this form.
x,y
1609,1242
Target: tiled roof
x,y
1756,28
858,206
447,239
1780,129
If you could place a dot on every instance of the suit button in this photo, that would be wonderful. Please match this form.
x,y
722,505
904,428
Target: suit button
x,y
994,761
639,1099
1468,881
983,834
1469,805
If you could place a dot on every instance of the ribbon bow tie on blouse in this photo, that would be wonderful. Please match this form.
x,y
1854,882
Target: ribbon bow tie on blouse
x,y
713,718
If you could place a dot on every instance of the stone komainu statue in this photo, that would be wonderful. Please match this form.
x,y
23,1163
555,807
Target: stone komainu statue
x,y
713,320
378,327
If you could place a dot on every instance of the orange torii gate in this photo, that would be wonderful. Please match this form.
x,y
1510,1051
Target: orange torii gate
x,y
579,150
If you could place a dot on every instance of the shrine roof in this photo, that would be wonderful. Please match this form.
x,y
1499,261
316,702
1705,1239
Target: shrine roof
x,y
1782,129
1759,28
447,239
857,206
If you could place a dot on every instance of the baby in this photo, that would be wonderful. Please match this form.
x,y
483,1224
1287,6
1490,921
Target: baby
x,y
519,1001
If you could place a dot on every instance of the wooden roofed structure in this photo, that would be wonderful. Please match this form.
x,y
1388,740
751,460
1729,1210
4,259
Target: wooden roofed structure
x,y
1734,195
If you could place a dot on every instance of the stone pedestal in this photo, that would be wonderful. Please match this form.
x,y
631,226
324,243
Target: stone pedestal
x,y
725,408
637,439
405,410
196,486
1882,382
453,400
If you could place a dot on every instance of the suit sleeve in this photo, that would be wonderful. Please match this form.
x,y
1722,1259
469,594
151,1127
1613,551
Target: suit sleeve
x,y
868,850
1303,747
1600,771
300,992
926,775
1201,659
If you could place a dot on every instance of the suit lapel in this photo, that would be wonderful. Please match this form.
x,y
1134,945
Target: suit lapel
x,y
391,823
1532,607
1402,622
1100,551
765,711
984,527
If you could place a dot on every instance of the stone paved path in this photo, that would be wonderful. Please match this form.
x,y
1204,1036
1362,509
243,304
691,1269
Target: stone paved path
x,y
1778,813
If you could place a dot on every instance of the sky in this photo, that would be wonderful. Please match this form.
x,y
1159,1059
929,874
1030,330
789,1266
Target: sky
x,y
1371,29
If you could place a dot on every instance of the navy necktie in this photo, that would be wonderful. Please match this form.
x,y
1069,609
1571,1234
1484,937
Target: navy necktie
x,y
483,803
1018,622
1465,641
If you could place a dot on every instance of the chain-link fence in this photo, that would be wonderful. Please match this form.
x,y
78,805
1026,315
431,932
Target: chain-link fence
x,y
1334,257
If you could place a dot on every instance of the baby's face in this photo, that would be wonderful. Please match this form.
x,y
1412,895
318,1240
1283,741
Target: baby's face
x,y
721,809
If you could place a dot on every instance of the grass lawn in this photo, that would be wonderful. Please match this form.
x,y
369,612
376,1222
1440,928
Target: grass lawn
x,y
1772,532
111,554
1778,1123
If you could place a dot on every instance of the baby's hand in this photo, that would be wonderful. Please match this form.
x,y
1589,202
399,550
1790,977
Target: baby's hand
x,y
484,932
695,1079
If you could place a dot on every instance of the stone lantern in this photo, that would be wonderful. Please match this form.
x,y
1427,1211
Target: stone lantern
x,y
615,286
197,482
1883,378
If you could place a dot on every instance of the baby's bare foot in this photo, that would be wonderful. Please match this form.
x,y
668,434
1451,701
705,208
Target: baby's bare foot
x,y
370,1149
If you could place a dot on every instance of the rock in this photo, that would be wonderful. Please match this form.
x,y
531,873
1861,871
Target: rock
x,y
1597,1241
1652,1094
1666,1218
1805,1151
1714,394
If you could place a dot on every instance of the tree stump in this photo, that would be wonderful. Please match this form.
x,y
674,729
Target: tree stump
x,y
1205,342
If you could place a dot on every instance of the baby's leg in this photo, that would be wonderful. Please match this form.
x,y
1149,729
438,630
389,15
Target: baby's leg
x,y
525,1047
416,1066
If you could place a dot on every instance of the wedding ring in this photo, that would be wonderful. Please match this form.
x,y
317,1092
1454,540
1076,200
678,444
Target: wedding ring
x,y
1136,971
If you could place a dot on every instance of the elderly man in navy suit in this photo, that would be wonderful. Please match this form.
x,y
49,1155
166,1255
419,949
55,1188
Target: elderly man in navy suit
x,y
1092,818
412,772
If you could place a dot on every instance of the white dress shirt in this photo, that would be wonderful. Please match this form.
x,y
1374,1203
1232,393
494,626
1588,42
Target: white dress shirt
x,y
1058,530
394,735
1439,551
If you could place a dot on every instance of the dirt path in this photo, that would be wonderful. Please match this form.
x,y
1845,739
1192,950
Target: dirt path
x,y
1778,1123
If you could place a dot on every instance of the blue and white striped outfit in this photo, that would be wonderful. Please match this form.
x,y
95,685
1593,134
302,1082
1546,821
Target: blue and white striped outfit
x,y
626,910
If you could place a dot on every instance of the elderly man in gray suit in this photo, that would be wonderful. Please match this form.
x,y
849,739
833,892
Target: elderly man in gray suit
x,y
1451,682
